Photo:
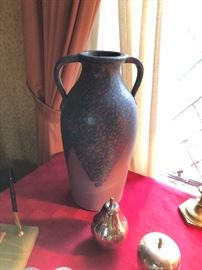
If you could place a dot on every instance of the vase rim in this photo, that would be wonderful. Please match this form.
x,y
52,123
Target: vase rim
x,y
97,55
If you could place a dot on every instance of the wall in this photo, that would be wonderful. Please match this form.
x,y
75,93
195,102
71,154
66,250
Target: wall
x,y
17,116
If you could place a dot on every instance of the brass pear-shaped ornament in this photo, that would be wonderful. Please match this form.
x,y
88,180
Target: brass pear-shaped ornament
x,y
109,226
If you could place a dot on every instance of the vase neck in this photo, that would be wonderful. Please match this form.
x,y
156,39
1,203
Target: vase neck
x,y
101,63
102,57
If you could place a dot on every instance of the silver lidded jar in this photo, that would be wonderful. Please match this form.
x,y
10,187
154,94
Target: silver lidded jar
x,y
157,251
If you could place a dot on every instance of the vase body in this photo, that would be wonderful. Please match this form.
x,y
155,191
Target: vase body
x,y
98,125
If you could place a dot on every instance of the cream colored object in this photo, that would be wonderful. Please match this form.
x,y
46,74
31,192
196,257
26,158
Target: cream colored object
x,y
140,29
15,250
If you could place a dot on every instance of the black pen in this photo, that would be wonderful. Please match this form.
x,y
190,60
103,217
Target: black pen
x,y
14,202
12,191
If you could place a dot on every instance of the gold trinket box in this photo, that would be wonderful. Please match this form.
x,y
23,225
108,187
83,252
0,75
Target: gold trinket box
x,y
157,251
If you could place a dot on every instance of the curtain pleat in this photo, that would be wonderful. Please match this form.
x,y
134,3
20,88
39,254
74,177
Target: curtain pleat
x,y
140,26
152,161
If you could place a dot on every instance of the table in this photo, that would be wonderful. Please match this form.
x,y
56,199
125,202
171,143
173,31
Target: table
x,y
65,239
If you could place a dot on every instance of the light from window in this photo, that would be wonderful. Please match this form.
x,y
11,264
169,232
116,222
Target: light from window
x,y
180,85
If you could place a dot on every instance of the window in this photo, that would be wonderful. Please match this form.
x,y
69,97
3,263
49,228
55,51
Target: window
x,y
180,83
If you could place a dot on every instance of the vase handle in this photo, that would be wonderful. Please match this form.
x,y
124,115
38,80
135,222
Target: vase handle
x,y
140,72
57,71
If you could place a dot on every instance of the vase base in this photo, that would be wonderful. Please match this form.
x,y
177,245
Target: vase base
x,y
84,191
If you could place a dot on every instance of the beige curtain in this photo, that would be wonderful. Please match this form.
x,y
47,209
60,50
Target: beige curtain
x,y
140,29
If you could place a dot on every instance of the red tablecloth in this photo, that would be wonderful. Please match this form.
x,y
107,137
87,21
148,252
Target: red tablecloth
x,y
65,239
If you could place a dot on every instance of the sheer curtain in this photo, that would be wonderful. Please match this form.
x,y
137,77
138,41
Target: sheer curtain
x,y
140,23
139,31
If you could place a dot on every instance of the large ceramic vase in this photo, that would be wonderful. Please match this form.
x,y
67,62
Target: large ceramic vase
x,y
98,125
